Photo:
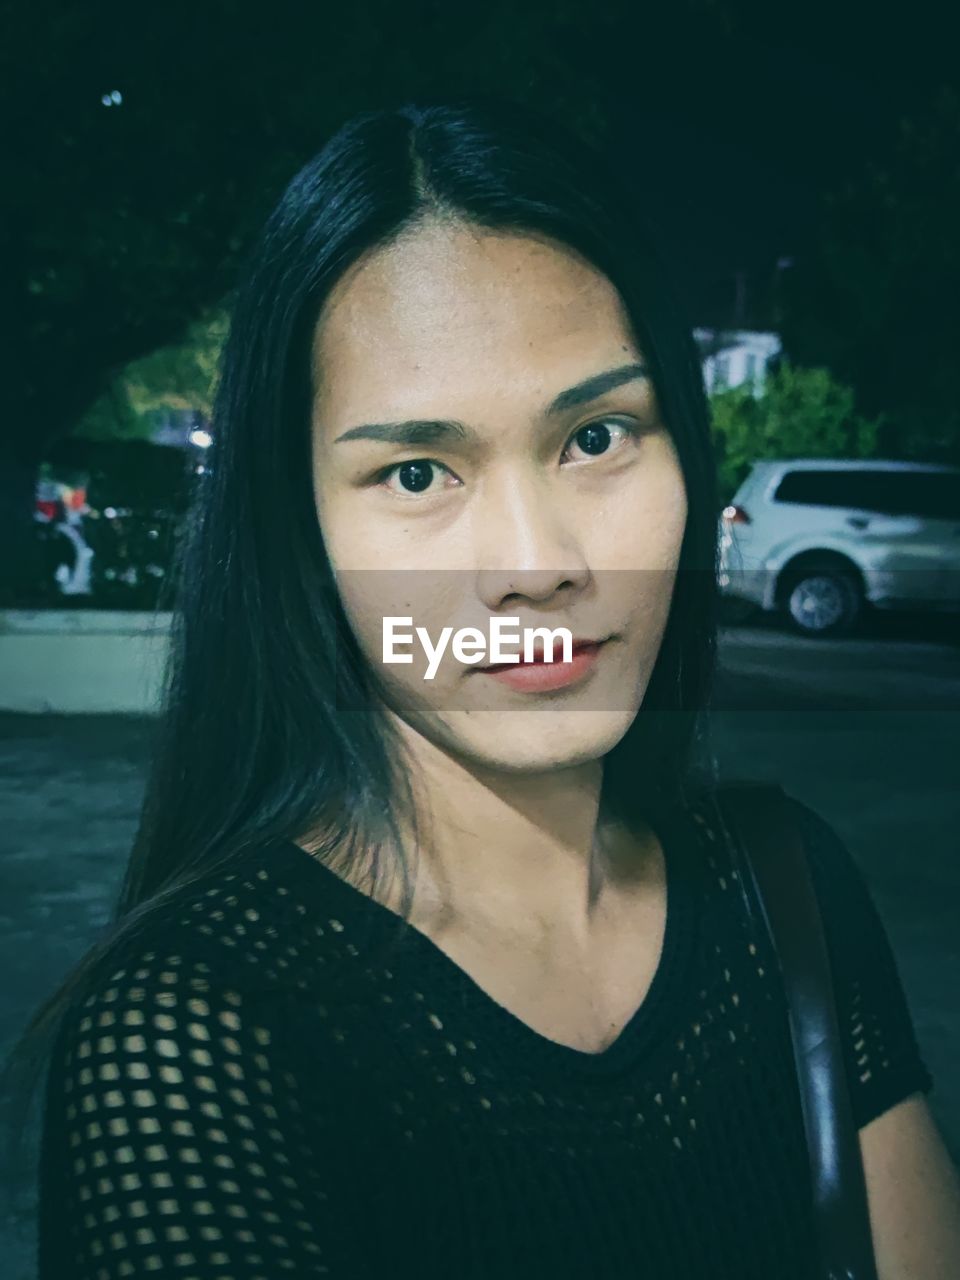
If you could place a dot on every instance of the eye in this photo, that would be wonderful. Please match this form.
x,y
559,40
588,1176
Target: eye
x,y
417,476
596,438
413,477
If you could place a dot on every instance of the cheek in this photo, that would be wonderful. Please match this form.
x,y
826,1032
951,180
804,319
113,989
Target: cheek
x,y
346,535
669,519
422,598
643,527
368,596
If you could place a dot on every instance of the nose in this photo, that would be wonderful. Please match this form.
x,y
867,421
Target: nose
x,y
526,544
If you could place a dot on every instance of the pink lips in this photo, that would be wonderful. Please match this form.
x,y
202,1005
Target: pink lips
x,y
541,675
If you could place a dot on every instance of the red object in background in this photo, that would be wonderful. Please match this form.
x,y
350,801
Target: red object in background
x,y
59,500
736,515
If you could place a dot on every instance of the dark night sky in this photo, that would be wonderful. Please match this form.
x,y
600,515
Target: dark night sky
x,y
731,115
737,140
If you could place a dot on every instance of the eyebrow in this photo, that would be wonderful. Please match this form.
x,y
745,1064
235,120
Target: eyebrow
x,y
427,431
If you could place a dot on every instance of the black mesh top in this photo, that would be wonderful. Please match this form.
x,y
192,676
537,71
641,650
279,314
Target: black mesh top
x,y
248,1091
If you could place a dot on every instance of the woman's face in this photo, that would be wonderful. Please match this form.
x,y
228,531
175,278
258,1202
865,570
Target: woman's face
x,y
486,444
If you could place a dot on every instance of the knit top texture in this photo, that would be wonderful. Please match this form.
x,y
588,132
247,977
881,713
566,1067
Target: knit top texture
x,y
247,1090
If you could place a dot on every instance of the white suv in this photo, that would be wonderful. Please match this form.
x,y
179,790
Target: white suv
x,y
821,539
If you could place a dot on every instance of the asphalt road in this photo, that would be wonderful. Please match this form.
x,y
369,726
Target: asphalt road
x,y
866,730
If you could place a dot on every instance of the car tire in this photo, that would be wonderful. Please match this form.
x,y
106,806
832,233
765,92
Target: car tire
x,y
822,601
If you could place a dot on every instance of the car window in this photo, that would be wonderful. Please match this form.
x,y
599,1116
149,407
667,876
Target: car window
x,y
933,495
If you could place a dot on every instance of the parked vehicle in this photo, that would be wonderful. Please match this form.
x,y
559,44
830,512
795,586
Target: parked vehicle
x,y
59,513
127,515
821,541
133,549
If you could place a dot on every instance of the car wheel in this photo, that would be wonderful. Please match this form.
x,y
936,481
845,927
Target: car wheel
x,y
822,602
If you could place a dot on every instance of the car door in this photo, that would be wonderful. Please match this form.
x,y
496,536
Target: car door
x,y
906,532
933,497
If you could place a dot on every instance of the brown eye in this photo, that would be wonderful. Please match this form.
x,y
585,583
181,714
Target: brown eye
x,y
413,477
594,439
597,439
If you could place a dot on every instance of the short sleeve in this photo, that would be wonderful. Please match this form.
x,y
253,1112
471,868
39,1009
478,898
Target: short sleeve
x,y
175,1140
883,1061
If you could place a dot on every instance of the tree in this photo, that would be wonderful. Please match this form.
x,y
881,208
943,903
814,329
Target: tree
x,y
876,301
144,147
181,376
800,413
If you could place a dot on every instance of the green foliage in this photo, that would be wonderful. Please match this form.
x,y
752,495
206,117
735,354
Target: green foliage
x,y
181,376
127,221
800,413
112,416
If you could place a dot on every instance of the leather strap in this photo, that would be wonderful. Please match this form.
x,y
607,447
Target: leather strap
x,y
774,868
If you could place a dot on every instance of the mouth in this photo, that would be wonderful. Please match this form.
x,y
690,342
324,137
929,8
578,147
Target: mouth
x,y
578,648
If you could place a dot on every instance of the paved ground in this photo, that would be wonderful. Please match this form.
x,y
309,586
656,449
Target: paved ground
x,y
865,730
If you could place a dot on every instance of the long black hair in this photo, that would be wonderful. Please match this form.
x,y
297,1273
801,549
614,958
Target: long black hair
x,y
253,743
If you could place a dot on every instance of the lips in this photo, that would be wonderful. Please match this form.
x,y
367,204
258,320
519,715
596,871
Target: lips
x,y
539,659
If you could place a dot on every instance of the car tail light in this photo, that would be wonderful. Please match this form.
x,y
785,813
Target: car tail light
x,y
735,515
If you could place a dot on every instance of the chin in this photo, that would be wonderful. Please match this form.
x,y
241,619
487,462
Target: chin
x,y
529,741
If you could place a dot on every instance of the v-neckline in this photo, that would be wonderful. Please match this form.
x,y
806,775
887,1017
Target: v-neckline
x,y
487,1017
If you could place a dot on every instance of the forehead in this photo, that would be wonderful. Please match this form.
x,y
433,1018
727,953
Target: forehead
x,y
452,309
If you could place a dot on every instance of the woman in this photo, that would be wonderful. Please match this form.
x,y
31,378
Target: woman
x,y
451,976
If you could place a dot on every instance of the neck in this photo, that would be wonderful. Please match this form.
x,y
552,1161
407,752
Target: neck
x,y
524,851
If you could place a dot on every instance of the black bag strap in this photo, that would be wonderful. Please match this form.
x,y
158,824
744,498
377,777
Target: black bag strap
x,y
774,868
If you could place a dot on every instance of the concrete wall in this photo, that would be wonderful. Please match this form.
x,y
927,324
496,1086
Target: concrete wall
x,y
81,660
